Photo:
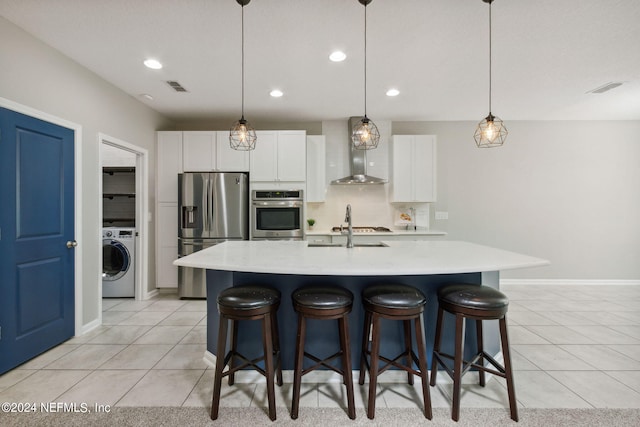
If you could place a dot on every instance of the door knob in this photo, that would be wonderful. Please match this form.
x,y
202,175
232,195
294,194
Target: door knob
x,y
72,244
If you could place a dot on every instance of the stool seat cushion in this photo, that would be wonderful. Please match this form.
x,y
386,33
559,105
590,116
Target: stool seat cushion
x,y
393,295
322,297
475,297
248,297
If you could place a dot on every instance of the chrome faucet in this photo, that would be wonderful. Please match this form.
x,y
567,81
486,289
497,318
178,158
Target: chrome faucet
x,y
347,219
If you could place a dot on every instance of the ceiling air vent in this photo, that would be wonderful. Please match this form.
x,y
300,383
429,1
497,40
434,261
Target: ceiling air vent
x,y
605,87
176,86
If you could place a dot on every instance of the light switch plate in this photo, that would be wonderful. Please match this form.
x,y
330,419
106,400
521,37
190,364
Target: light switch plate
x,y
442,215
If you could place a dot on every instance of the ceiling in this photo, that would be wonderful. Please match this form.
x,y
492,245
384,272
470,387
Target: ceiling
x,y
547,54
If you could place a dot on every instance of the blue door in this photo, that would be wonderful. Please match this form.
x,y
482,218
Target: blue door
x,y
36,237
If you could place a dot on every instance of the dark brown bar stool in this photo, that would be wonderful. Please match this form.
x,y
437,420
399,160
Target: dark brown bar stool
x,y
248,303
324,303
479,303
394,302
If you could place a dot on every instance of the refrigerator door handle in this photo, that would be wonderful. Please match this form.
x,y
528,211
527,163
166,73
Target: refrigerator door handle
x,y
205,205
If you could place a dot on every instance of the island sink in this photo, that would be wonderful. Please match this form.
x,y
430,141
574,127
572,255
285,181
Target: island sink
x,y
343,245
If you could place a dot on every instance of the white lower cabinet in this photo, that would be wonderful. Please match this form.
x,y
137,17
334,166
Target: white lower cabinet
x,y
167,245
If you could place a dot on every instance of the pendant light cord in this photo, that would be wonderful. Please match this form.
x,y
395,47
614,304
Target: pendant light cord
x,y
365,60
489,58
242,62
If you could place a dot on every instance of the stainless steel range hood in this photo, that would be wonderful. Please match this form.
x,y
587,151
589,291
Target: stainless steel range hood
x,y
358,164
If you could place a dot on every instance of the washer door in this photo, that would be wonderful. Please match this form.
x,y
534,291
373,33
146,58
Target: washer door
x,y
115,260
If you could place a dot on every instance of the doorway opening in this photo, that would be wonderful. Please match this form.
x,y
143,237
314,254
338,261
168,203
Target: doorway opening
x,y
123,210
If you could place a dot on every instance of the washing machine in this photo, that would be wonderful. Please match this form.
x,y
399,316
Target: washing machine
x,y
118,262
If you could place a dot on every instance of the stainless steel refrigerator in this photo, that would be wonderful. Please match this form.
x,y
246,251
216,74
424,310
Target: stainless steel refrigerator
x,y
213,208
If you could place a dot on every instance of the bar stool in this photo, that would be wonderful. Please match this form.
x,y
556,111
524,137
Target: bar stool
x,y
479,303
249,302
323,303
393,302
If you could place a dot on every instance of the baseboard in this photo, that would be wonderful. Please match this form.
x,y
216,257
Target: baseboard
x,y
327,376
569,282
90,326
150,294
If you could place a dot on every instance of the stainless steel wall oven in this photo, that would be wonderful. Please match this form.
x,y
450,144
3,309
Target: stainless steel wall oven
x,y
277,214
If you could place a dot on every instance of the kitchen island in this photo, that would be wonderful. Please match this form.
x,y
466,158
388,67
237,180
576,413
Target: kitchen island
x,y
287,265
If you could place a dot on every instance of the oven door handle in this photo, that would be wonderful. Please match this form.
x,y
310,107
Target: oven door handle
x,y
282,204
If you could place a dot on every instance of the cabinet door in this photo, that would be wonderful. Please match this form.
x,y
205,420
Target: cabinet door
x,y
292,158
414,168
316,172
166,245
228,159
264,166
199,151
402,164
169,165
424,168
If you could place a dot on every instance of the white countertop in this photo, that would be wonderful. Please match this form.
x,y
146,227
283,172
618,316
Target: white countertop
x,y
399,258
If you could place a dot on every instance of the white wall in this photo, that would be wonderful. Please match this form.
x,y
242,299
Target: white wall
x,y
37,76
567,191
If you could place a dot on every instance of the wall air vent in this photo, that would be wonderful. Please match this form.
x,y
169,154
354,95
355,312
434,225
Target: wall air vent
x,y
605,87
176,86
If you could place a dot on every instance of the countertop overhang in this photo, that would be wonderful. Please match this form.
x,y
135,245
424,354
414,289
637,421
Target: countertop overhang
x,y
398,258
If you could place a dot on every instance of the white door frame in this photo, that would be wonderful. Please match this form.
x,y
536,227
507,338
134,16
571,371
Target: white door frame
x,y
77,148
142,209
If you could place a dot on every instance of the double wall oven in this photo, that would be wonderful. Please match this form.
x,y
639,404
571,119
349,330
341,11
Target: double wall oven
x,y
277,214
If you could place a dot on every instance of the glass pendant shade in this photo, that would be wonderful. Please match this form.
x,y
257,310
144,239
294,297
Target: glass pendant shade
x,y
490,132
242,136
365,135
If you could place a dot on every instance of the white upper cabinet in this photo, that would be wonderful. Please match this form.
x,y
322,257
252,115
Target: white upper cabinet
x,y
210,151
169,165
198,151
413,168
279,156
316,171
228,159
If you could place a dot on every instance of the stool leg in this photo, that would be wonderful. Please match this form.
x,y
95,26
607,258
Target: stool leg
x,y
345,343
276,348
297,371
422,365
365,346
373,372
234,349
436,347
479,338
457,367
407,345
507,368
220,353
268,363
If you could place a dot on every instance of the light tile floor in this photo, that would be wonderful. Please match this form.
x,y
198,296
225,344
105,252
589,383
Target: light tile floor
x,y
572,347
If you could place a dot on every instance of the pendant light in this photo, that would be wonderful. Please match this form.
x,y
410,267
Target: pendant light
x,y
490,132
242,136
365,134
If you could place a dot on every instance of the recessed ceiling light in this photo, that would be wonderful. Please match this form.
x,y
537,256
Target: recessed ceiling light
x,y
393,92
276,93
154,64
146,96
606,87
337,56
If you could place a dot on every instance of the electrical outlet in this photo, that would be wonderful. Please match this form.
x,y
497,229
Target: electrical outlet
x,y
442,215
